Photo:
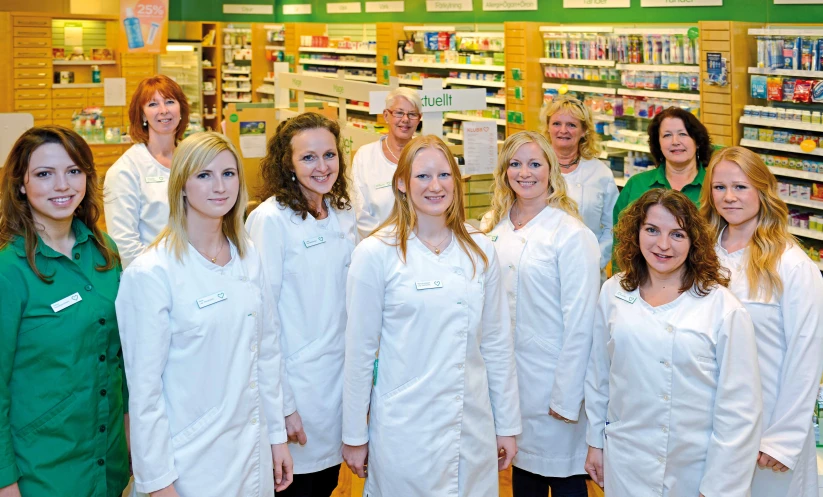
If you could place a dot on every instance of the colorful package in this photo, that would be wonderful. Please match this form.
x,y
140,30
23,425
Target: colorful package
x,y
802,91
774,88
788,89
817,92
431,40
443,41
758,86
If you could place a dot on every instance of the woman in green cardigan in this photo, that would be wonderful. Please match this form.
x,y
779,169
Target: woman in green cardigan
x,y
62,386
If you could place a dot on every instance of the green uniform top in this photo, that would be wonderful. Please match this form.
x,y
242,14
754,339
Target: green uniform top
x,y
62,387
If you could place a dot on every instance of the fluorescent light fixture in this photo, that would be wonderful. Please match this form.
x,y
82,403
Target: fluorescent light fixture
x,y
180,48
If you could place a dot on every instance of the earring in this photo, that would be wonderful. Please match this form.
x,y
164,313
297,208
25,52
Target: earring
x,y
293,177
145,123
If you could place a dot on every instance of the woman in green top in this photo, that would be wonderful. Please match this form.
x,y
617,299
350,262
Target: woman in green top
x,y
62,386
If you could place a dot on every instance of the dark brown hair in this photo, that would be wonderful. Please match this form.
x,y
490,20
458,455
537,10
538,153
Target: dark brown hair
x,y
702,267
277,167
694,128
143,94
15,212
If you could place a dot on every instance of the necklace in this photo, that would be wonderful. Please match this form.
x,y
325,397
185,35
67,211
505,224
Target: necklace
x,y
212,259
521,222
570,164
388,147
436,248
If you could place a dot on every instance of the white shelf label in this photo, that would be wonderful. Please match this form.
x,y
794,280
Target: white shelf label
x,y
509,5
343,8
248,9
297,9
596,4
681,3
386,6
798,2
449,5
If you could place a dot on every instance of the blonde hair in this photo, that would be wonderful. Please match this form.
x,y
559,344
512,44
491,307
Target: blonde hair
x,y
403,92
191,156
403,215
771,237
504,195
589,146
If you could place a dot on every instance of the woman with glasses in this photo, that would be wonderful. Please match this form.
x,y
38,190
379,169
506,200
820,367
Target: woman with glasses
x,y
374,164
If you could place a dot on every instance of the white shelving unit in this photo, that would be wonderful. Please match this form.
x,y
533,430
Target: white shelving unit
x,y
577,62
774,123
811,204
463,117
446,65
817,235
61,62
785,72
337,63
340,51
794,173
658,67
600,90
476,82
782,147
693,97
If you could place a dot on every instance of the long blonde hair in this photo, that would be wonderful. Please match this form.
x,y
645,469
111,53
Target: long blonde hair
x,y
191,156
504,196
771,237
403,216
589,146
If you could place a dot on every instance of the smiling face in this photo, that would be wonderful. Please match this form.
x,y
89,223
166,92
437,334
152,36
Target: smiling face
x,y
162,114
402,129
315,161
431,186
565,130
735,198
212,191
663,243
54,185
528,172
677,146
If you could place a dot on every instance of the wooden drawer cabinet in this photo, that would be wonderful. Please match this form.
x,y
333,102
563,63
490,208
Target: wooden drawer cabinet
x,y
32,95
129,60
106,152
63,122
41,115
42,122
32,32
32,53
41,22
96,92
69,93
32,42
69,103
27,105
32,73
62,114
32,84
138,72
32,63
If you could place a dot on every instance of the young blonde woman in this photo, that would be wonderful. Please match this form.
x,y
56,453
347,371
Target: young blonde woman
x,y
437,413
549,262
201,343
782,290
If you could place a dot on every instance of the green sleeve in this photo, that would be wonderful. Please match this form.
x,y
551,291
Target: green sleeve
x,y
10,315
125,386
622,202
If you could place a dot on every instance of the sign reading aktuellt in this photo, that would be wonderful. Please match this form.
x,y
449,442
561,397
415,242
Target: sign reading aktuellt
x,y
436,101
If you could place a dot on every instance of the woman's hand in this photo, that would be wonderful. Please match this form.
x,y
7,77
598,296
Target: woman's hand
x,y
10,491
294,429
165,492
594,465
357,458
559,417
766,461
283,467
506,450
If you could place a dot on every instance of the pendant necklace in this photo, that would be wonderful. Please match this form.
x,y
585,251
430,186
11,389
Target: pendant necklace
x,y
212,259
570,164
436,248
388,147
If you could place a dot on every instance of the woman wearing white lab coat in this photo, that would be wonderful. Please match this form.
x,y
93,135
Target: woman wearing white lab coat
x,y
305,232
200,343
136,186
374,164
782,290
569,127
438,413
673,390
549,261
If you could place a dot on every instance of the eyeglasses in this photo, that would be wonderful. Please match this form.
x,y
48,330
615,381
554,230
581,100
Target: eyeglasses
x,y
399,114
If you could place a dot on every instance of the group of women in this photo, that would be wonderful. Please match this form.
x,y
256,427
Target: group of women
x,y
368,323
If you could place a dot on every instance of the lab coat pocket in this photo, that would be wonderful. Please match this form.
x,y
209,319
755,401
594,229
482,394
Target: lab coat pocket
x,y
51,417
547,346
195,427
402,388
302,352
707,364
34,323
546,267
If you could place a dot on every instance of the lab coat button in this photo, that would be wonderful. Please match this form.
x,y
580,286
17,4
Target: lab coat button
x,y
511,266
89,288
665,429
460,366
665,363
660,460
254,347
666,397
669,328
253,385
522,240
341,235
456,397
254,314
254,421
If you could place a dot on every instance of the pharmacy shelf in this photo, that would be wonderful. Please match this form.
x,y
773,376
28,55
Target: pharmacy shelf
x,y
774,123
77,85
234,88
476,82
782,147
651,30
347,51
446,65
337,63
806,233
785,32
811,204
61,62
236,100
237,30
576,29
350,77
275,48
578,62
480,34
600,90
621,182
229,78
412,82
785,72
603,118
208,93
358,108
634,147
266,90
429,28
794,173
236,71
658,67
695,97
463,117
496,100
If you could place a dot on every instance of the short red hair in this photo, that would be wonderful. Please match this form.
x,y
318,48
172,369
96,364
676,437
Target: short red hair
x,y
143,94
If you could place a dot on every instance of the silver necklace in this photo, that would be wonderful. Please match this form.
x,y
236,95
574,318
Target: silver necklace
x,y
388,147
570,164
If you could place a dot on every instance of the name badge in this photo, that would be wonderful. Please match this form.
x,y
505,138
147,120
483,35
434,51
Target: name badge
x,y
211,299
66,302
625,296
492,237
382,185
428,285
311,242
155,179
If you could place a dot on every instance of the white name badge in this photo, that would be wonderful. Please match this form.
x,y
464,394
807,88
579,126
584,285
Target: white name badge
x,y
492,237
311,242
428,285
211,299
155,179
66,302
625,296
382,185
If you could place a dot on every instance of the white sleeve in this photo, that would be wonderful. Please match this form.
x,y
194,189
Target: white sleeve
x,y
143,305
497,349
366,220
365,290
789,425
596,391
738,410
606,240
268,240
121,194
577,262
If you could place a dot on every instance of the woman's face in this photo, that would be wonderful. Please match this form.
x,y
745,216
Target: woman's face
x,y
528,172
402,128
162,114
431,186
54,185
735,198
677,146
565,131
212,191
663,243
315,161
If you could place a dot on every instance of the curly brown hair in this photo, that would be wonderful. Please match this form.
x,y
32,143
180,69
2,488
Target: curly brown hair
x,y
695,129
277,168
703,270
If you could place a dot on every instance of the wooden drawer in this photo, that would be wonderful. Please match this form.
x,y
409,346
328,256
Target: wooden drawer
x,y
42,122
64,122
41,22
62,113
27,105
32,84
69,93
137,60
32,95
138,72
69,103
32,53
32,32
32,63
113,121
96,92
32,42
106,152
102,165
41,115
43,72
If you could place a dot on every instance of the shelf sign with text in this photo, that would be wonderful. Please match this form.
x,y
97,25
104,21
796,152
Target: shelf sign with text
x,y
798,2
437,100
343,8
449,5
238,8
596,4
681,3
297,9
144,26
509,4
393,6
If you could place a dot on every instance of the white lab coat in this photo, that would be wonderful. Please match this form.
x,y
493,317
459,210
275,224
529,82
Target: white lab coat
x,y
673,394
373,197
789,331
205,400
552,277
446,382
136,201
306,263
592,186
